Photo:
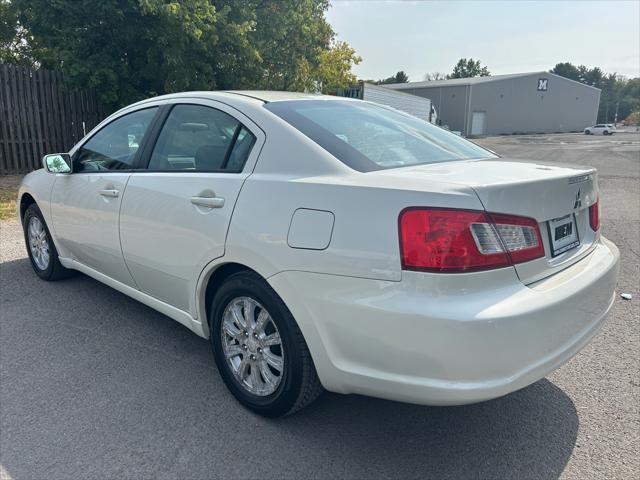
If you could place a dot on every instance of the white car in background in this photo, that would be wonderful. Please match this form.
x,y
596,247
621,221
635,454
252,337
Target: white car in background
x,y
600,129
326,242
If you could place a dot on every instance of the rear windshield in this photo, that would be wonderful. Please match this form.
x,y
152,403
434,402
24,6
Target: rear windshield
x,y
368,137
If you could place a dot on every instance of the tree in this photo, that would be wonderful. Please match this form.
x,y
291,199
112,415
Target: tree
x,y
289,37
132,49
567,70
466,68
433,76
334,69
633,119
619,96
400,77
14,46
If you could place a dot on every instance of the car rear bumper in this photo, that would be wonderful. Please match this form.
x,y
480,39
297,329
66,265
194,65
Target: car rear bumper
x,y
448,339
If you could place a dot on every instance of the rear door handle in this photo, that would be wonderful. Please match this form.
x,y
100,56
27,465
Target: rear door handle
x,y
110,192
208,202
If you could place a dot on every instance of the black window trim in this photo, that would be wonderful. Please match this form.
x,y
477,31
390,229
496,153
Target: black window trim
x,y
138,154
156,130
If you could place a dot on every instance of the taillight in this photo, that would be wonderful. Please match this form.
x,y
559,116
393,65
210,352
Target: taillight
x,y
520,236
594,216
446,240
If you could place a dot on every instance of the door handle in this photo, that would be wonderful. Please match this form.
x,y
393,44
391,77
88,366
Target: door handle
x,y
110,192
208,202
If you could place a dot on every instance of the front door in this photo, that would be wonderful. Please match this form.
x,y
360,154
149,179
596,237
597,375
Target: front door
x,y
175,215
85,204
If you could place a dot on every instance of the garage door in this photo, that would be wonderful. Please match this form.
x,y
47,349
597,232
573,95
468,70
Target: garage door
x,y
477,123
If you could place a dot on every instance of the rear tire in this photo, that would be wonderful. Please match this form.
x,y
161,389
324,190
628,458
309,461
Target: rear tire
x,y
42,252
268,369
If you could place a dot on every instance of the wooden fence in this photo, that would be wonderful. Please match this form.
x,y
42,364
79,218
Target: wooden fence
x,y
38,115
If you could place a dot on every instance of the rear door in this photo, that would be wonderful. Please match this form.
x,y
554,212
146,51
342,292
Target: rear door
x,y
85,204
175,214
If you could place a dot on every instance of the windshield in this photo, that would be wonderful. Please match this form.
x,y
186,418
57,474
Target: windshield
x,y
368,137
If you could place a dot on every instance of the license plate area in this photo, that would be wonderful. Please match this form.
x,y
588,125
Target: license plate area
x,y
563,234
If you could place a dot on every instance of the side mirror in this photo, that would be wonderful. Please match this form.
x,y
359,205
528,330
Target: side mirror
x,y
57,163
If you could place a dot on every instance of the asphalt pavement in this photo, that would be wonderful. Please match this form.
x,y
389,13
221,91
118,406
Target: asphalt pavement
x,y
95,385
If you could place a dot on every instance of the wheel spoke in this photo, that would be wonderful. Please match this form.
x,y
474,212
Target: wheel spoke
x,y
273,360
233,351
263,319
254,377
231,330
272,340
269,378
243,367
249,312
237,315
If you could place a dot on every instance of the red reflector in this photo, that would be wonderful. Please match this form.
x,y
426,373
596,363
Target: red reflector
x,y
594,216
441,241
447,240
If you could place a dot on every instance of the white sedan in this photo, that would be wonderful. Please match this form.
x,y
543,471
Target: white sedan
x,y
322,242
600,129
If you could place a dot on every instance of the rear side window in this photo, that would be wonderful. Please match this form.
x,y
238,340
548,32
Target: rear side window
x,y
115,146
368,137
200,138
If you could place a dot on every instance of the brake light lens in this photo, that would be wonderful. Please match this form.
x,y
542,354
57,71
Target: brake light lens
x,y
594,216
447,240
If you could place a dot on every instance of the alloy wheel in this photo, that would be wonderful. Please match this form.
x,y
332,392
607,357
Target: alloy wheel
x,y
252,346
38,243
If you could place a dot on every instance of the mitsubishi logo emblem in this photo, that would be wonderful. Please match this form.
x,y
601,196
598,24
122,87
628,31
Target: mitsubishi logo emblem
x,y
578,202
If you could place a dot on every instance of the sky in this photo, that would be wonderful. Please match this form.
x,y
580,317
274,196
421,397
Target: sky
x,y
507,36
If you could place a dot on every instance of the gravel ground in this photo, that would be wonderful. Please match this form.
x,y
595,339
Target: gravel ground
x,y
96,385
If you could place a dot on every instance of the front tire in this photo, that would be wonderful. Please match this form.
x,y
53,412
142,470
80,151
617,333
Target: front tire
x,y
42,252
259,349
587,132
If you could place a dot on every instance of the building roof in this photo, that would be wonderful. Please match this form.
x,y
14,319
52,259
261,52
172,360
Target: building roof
x,y
474,80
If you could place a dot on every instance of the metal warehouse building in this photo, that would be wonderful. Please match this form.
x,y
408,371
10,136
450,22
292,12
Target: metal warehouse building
x,y
538,102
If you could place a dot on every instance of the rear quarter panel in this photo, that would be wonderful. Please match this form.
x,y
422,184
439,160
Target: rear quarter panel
x,y
364,241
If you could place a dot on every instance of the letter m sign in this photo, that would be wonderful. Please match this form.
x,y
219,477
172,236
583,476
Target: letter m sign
x,y
543,83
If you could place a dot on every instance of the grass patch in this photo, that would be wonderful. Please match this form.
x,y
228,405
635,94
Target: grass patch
x,y
8,196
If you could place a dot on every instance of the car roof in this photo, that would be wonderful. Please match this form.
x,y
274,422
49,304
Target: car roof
x,y
232,97
260,95
275,95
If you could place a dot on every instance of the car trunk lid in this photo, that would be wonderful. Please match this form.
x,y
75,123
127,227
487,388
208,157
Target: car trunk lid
x,y
557,196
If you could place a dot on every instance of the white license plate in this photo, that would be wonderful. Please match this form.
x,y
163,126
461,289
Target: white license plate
x,y
563,234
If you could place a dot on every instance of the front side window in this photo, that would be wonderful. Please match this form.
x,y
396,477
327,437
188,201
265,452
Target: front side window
x,y
114,147
199,138
369,137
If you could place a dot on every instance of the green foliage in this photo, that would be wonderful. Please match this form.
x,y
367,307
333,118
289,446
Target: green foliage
x,y
433,76
14,46
400,77
567,70
619,95
467,68
633,119
334,69
132,49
